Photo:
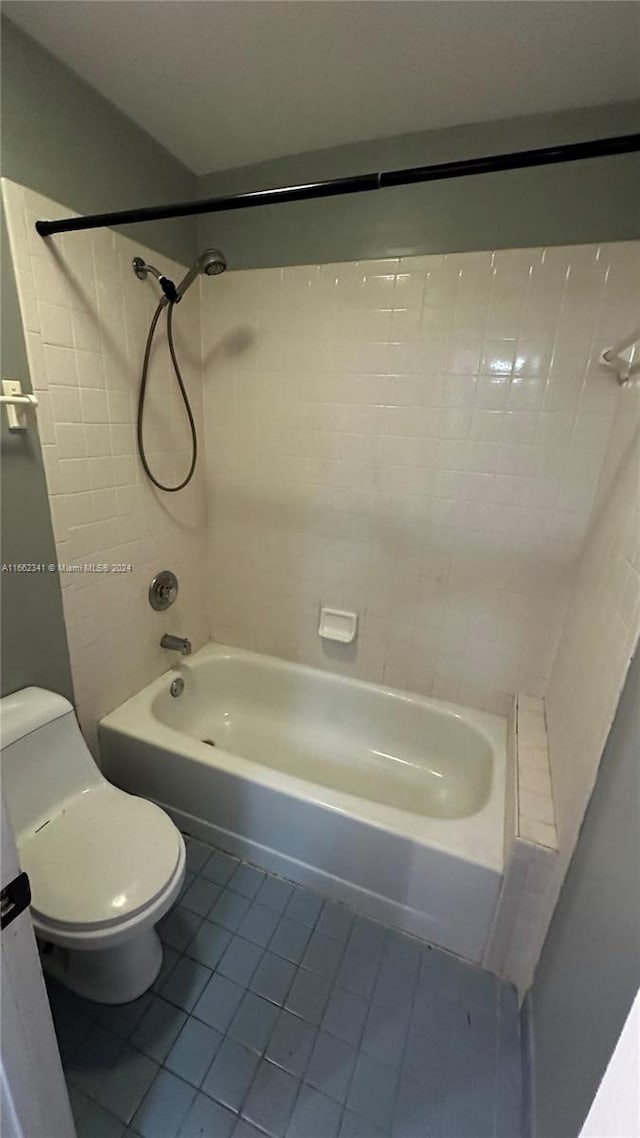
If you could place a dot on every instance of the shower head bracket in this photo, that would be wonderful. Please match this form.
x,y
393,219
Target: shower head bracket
x,y
142,270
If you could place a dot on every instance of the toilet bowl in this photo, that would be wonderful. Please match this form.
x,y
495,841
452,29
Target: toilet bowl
x,y
104,866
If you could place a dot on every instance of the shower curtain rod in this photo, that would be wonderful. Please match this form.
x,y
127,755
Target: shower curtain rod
x,y
360,183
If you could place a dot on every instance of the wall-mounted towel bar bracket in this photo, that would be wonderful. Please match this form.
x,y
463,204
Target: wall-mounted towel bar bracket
x,y
16,404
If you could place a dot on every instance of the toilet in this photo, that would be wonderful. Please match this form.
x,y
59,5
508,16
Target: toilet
x,y
104,866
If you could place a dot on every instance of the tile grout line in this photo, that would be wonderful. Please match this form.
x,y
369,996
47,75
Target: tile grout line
x,y
263,1056
195,1090
302,1082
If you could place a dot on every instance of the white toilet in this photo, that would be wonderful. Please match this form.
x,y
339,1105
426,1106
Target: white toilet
x,y
104,866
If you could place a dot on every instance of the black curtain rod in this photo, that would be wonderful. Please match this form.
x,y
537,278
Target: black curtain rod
x,y
545,156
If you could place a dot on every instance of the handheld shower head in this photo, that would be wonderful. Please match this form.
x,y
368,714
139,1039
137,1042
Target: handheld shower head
x,y
212,262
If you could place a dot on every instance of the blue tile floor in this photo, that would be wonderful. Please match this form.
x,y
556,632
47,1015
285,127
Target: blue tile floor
x,y
278,1012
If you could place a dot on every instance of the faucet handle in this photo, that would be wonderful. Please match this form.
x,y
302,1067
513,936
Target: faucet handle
x,y
163,590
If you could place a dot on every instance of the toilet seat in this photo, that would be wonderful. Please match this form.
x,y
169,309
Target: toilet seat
x,y
105,858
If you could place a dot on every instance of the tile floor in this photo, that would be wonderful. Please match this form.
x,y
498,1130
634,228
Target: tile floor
x,y
278,1012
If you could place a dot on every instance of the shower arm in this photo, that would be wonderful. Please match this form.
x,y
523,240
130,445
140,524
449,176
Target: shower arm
x,y
142,269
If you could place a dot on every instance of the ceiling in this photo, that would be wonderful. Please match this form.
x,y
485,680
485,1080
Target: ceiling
x,y
223,84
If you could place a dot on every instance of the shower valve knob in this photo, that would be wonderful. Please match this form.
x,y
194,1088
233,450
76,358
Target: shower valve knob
x,y
163,590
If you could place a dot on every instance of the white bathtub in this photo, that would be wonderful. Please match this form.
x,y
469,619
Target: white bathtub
x,y
390,802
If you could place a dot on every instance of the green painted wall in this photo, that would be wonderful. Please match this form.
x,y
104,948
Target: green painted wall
x,y
589,971
33,646
64,140
595,200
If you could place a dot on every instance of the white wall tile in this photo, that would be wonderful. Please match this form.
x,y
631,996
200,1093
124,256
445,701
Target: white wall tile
x,y
55,324
59,363
602,626
102,508
543,834
65,404
427,407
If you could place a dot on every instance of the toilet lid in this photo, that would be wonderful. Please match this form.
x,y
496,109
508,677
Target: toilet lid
x,y
102,859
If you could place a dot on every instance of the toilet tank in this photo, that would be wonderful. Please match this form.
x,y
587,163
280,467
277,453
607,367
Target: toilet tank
x,y
44,759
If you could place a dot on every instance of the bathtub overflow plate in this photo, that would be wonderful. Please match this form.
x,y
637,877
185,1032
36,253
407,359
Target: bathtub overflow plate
x,y
177,686
163,590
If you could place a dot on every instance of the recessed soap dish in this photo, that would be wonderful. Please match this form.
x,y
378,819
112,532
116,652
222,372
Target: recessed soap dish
x,y
338,625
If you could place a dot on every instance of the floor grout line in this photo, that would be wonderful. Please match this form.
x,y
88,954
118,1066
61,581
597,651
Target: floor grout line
x,y
381,956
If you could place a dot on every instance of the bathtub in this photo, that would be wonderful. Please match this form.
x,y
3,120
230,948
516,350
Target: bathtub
x,y
389,802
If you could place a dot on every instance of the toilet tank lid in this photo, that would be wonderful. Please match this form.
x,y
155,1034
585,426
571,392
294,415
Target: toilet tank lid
x,y
25,711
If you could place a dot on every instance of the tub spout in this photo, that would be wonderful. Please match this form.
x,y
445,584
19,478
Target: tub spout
x,y
176,644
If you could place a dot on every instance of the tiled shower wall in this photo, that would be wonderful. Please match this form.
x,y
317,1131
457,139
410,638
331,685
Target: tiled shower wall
x,y
86,318
602,627
599,637
419,440
603,622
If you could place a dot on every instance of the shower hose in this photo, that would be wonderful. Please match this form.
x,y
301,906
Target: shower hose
x,y
141,398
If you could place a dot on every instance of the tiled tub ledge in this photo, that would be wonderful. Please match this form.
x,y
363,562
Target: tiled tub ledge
x,y
531,849
536,814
